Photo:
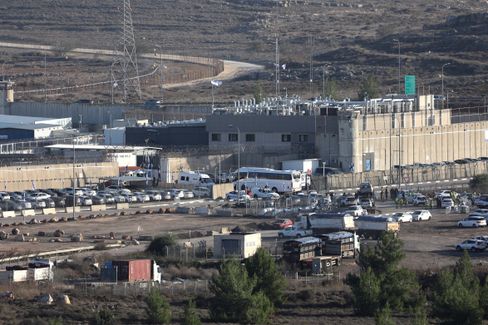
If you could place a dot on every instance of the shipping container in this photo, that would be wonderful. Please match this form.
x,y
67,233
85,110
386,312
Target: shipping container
x,y
133,270
40,274
13,274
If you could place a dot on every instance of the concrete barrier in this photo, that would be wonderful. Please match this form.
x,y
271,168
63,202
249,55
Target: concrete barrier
x,y
183,210
219,190
202,211
122,206
8,214
70,209
224,212
47,211
28,213
99,207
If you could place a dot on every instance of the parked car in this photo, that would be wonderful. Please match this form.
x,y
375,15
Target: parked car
x,y
472,245
421,215
348,200
187,194
154,195
473,221
234,196
50,203
166,195
482,238
419,200
86,201
128,197
481,201
447,203
97,200
264,193
108,197
356,211
4,196
142,197
201,191
69,200
403,217
366,203
282,223
59,201
23,203
36,204
10,205
293,231
39,196
176,193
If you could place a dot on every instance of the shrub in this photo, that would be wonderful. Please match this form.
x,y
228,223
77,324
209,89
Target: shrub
x,y
159,245
104,317
366,290
158,309
383,316
191,317
457,294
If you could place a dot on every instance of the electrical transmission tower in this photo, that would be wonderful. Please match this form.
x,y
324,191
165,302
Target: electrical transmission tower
x,y
124,69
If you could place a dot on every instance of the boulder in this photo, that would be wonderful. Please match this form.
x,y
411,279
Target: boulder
x,y
58,233
41,234
77,237
3,235
64,299
15,231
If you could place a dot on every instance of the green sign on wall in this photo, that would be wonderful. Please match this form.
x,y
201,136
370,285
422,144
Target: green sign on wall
x,y
409,85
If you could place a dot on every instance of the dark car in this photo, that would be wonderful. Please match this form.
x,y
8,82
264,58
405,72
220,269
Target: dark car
x,y
69,200
461,161
50,203
59,201
10,205
97,199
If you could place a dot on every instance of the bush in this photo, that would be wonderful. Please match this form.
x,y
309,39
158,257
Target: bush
x,y
234,297
191,317
159,245
366,290
158,309
269,280
457,294
104,317
383,316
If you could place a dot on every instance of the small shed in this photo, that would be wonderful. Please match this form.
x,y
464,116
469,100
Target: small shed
x,y
238,244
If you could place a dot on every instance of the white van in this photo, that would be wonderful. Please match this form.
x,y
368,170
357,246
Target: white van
x,y
194,178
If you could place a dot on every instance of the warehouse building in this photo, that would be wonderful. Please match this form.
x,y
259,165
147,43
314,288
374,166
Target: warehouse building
x,y
13,127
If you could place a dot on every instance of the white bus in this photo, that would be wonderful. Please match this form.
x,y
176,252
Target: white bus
x,y
281,181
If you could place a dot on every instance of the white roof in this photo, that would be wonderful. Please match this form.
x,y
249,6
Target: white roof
x,y
100,147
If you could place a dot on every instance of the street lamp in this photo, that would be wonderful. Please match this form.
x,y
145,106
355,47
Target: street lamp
x,y
238,160
399,66
442,81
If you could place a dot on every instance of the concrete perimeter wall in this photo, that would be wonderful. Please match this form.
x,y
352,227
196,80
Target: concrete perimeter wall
x,y
18,178
407,176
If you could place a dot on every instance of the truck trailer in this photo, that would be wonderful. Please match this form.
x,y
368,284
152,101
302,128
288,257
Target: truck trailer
x,y
140,270
321,223
374,227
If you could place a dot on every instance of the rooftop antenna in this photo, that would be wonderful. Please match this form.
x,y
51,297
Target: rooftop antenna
x,y
125,66
277,66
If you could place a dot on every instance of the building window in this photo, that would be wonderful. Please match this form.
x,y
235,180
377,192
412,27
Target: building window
x,y
393,122
365,123
233,137
402,120
216,137
286,138
303,138
250,137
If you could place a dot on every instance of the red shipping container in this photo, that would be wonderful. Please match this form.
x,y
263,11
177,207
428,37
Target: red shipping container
x,y
133,270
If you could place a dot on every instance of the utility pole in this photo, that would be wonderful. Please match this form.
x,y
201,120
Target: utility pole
x,y
277,67
442,82
311,63
399,67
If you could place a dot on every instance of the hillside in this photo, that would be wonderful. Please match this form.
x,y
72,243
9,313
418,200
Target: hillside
x,y
351,39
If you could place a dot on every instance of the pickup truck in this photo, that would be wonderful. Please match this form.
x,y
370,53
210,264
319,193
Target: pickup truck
x,y
294,231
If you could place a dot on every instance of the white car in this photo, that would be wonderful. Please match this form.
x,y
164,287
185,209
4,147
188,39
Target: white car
x,y
482,238
201,191
154,195
348,200
128,197
264,193
447,203
166,195
4,196
356,211
366,203
419,200
233,196
176,193
421,215
472,245
473,222
187,194
39,196
293,231
141,197
403,217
